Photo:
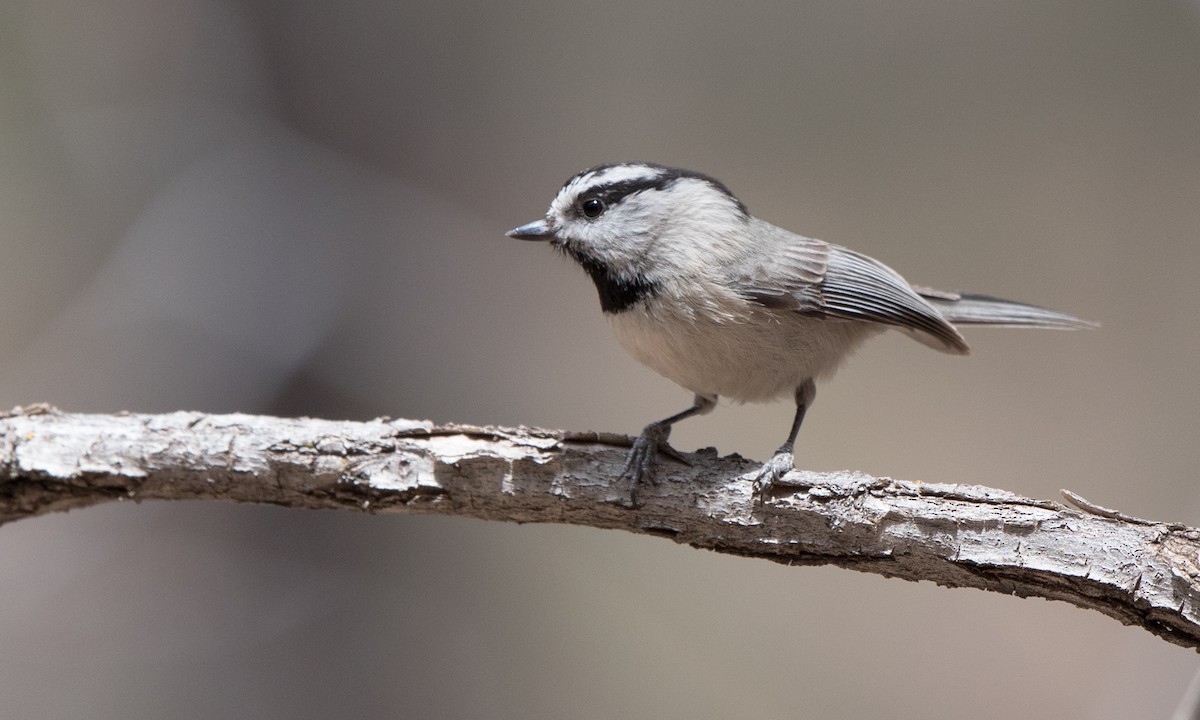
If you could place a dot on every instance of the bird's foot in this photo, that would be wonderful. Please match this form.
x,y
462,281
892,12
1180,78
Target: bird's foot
x,y
778,466
642,462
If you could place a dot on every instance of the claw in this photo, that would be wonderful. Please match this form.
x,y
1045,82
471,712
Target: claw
x,y
778,466
639,466
642,461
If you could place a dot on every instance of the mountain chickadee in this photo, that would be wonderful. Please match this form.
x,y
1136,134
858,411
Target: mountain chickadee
x,y
722,303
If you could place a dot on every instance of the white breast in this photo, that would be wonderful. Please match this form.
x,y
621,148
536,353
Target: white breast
x,y
742,352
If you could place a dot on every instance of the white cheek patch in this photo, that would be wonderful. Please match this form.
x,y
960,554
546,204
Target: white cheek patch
x,y
618,242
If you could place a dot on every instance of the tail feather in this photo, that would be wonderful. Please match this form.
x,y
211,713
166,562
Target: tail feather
x,y
969,309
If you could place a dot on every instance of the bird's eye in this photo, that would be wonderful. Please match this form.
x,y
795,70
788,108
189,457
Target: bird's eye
x,y
592,207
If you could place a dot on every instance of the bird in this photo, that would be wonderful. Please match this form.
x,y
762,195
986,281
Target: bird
x,y
725,304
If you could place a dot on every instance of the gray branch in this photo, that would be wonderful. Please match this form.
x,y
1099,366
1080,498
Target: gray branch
x,y
1139,572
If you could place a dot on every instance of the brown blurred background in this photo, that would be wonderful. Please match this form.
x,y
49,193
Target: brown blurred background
x,y
299,208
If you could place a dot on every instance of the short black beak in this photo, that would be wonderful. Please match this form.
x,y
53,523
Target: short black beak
x,y
536,230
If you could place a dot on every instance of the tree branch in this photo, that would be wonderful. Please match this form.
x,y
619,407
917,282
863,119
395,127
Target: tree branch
x,y
1139,572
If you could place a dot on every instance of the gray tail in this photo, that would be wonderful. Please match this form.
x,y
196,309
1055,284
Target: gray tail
x,y
967,309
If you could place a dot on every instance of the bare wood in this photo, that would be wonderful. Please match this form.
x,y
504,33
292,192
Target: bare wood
x,y
1140,572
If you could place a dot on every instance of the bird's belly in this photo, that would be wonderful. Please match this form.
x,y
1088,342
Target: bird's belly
x,y
754,357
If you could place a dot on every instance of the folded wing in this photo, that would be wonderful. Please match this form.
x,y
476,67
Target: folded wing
x,y
816,278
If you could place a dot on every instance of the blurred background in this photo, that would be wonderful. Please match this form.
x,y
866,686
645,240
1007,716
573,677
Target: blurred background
x,y
299,208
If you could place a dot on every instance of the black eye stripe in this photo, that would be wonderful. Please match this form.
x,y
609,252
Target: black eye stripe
x,y
614,192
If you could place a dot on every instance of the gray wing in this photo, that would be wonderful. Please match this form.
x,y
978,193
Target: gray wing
x,y
819,279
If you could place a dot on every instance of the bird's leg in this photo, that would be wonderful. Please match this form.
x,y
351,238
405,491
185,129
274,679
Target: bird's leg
x,y
783,462
643,456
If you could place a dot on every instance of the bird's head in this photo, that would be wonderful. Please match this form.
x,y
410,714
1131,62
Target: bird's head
x,y
638,225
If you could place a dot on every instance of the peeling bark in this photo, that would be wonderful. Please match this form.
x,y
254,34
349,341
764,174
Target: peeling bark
x,y
1140,572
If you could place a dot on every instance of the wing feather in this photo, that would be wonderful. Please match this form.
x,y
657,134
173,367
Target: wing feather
x,y
819,279
860,287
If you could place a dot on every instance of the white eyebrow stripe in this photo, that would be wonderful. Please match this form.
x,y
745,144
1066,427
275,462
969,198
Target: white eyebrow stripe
x,y
612,174
625,173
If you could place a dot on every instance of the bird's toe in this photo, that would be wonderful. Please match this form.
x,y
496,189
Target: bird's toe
x,y
778,466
